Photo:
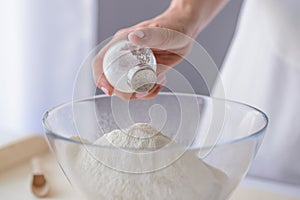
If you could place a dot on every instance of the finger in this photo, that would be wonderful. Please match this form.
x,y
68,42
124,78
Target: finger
x,y
104,85
161,81
161,69
161,38
140,95
167,58
153,93
97,64
123,95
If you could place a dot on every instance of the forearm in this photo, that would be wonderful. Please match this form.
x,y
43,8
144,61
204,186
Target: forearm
x,y
198,13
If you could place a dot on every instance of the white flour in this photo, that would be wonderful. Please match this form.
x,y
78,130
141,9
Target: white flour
x,y
138,136
186,178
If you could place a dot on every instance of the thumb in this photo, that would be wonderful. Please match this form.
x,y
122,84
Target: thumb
x,y
154,37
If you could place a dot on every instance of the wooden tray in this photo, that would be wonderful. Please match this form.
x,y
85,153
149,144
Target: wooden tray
x,y
15,174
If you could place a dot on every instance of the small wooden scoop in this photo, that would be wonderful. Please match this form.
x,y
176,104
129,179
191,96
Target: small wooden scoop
x,y
39,186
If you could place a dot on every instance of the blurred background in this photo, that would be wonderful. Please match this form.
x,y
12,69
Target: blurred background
x,y
44,42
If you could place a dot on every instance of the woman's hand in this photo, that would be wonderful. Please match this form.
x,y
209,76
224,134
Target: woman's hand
x,y
169,35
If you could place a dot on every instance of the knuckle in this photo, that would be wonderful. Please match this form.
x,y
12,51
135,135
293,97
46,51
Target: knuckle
x,y
155,24
121,31
166,36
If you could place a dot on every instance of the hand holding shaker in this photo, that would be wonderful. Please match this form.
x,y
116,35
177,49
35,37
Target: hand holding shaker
x,y
130,68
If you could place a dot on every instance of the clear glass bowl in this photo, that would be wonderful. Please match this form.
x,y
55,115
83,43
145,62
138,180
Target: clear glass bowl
x,y
216,140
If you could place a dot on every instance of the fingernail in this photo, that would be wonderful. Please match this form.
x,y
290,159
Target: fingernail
x,y
105,90
141,94
138,33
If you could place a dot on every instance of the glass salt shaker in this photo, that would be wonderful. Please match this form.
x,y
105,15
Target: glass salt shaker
x,y
130,68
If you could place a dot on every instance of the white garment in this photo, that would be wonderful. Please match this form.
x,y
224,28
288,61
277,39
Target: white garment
x,y
263,69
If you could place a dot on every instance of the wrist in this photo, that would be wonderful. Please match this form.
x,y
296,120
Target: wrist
x,y
189,13
188,7
185,16
196,13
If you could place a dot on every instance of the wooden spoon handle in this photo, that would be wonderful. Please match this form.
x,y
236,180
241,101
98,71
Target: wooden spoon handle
x,y
39,184
36,168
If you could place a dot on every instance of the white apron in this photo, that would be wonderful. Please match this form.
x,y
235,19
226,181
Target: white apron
x,y
262,69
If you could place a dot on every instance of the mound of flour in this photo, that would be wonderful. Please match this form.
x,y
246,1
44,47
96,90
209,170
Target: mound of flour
x,y
104,171
137,136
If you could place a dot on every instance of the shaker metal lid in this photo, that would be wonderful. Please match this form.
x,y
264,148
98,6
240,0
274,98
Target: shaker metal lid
x,y
141,78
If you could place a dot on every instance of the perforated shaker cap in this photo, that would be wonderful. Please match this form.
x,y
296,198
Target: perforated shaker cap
x,y
141,78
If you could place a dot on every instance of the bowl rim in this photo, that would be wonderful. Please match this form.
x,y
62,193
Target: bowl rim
x,y
253,135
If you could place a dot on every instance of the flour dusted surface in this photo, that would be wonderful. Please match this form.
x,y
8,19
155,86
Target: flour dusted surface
x,y
185,178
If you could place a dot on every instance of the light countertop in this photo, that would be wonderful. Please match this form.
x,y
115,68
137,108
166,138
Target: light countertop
x,y
15,183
